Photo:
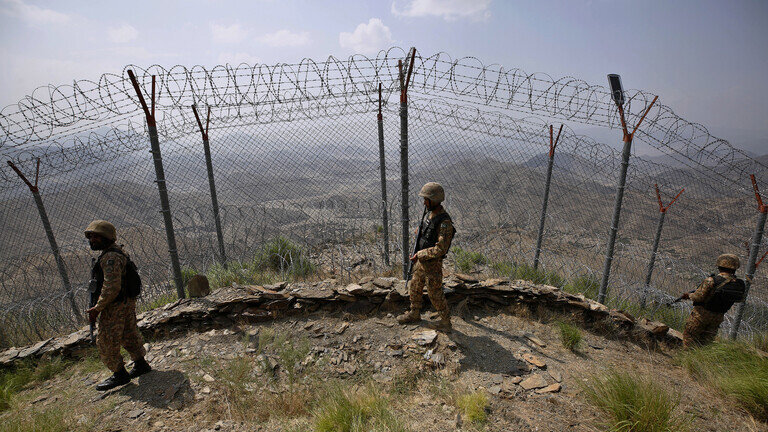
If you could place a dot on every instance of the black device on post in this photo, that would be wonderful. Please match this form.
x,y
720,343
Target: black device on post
x,y
617,91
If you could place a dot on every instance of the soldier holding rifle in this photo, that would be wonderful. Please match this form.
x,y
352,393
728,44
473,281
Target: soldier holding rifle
x,y
711,301
432,244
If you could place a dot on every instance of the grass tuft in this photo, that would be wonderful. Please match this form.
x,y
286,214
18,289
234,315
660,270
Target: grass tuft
x,y
474,407
466,260
349,410
634,404
570,336
733,369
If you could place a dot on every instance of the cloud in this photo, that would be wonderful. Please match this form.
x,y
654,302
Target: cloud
x,y
32,14
228,34
124,33
367,38
237,58
285,38
447,9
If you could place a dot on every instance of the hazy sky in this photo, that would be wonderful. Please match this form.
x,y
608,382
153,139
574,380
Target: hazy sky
x,y
708,60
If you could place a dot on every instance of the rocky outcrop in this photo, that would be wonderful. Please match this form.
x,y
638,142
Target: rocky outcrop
x,y
235,304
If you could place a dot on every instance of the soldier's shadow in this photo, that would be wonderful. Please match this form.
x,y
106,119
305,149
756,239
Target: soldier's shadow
x,y
161,389
484,354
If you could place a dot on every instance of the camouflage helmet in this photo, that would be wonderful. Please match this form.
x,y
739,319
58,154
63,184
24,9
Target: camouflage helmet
x,y
102,228
433,192
729,261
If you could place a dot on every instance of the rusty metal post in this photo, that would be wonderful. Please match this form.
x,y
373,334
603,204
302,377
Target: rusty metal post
x,y
211,183
51,238
383,170
540,237
161,187
656,239
757,238
619,197
404,185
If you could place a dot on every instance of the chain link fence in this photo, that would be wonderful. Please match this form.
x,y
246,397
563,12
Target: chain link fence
x,y
295,155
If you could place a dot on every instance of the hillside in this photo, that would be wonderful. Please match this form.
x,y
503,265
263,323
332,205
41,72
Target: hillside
x,y
307,356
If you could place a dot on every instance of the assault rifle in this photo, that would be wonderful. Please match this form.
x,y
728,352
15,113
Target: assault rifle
x,y
415,246
94,293
681,298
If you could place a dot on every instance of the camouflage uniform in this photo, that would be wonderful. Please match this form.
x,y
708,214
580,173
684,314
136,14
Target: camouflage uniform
x,y
117,318
702,325
428,270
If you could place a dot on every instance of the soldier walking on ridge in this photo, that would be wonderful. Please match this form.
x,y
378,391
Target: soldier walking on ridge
x,y
711,301
112,279
431,248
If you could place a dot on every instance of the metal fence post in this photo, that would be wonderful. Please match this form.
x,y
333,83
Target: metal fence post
x,y
211,183
619,197
383,170
540,237
656,239
404,157
161,187
757,238
51,238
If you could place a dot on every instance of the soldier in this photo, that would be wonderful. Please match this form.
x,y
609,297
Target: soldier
x,y
711,301
115,310
437,233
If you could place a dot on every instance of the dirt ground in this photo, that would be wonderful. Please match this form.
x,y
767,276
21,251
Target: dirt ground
x,y
488,350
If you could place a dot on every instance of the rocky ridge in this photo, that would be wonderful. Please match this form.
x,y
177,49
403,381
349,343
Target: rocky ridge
x,y
236,304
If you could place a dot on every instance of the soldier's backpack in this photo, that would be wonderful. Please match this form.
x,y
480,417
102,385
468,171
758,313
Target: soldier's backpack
x,y
131,281
724,295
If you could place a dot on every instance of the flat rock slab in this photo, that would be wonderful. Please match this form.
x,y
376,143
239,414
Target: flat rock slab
x,y
553,388
426,337
532,359
533,382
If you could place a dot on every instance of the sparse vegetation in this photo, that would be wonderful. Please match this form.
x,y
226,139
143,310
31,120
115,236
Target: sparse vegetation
x,y
467,260
158,302
634,404
26,373
186,274
570,336
527,272
279,259
734,370
474,407
351,410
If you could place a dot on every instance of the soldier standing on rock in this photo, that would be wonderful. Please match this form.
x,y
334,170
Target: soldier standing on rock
x,y
711,301
437,233
115,308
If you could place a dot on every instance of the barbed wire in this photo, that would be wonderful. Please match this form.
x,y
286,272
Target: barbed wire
x,y
295,156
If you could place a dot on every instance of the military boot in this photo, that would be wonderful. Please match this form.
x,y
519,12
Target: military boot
x,y
117,379
412,316
444,325
140,367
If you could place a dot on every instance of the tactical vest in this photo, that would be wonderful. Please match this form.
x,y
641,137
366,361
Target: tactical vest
x,y
430,231
128,282
725,294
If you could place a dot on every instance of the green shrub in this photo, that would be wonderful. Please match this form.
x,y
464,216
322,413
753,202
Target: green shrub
x,y
584,284
466,260
284,257
239,273
733,369
570,336
634,404
473,406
